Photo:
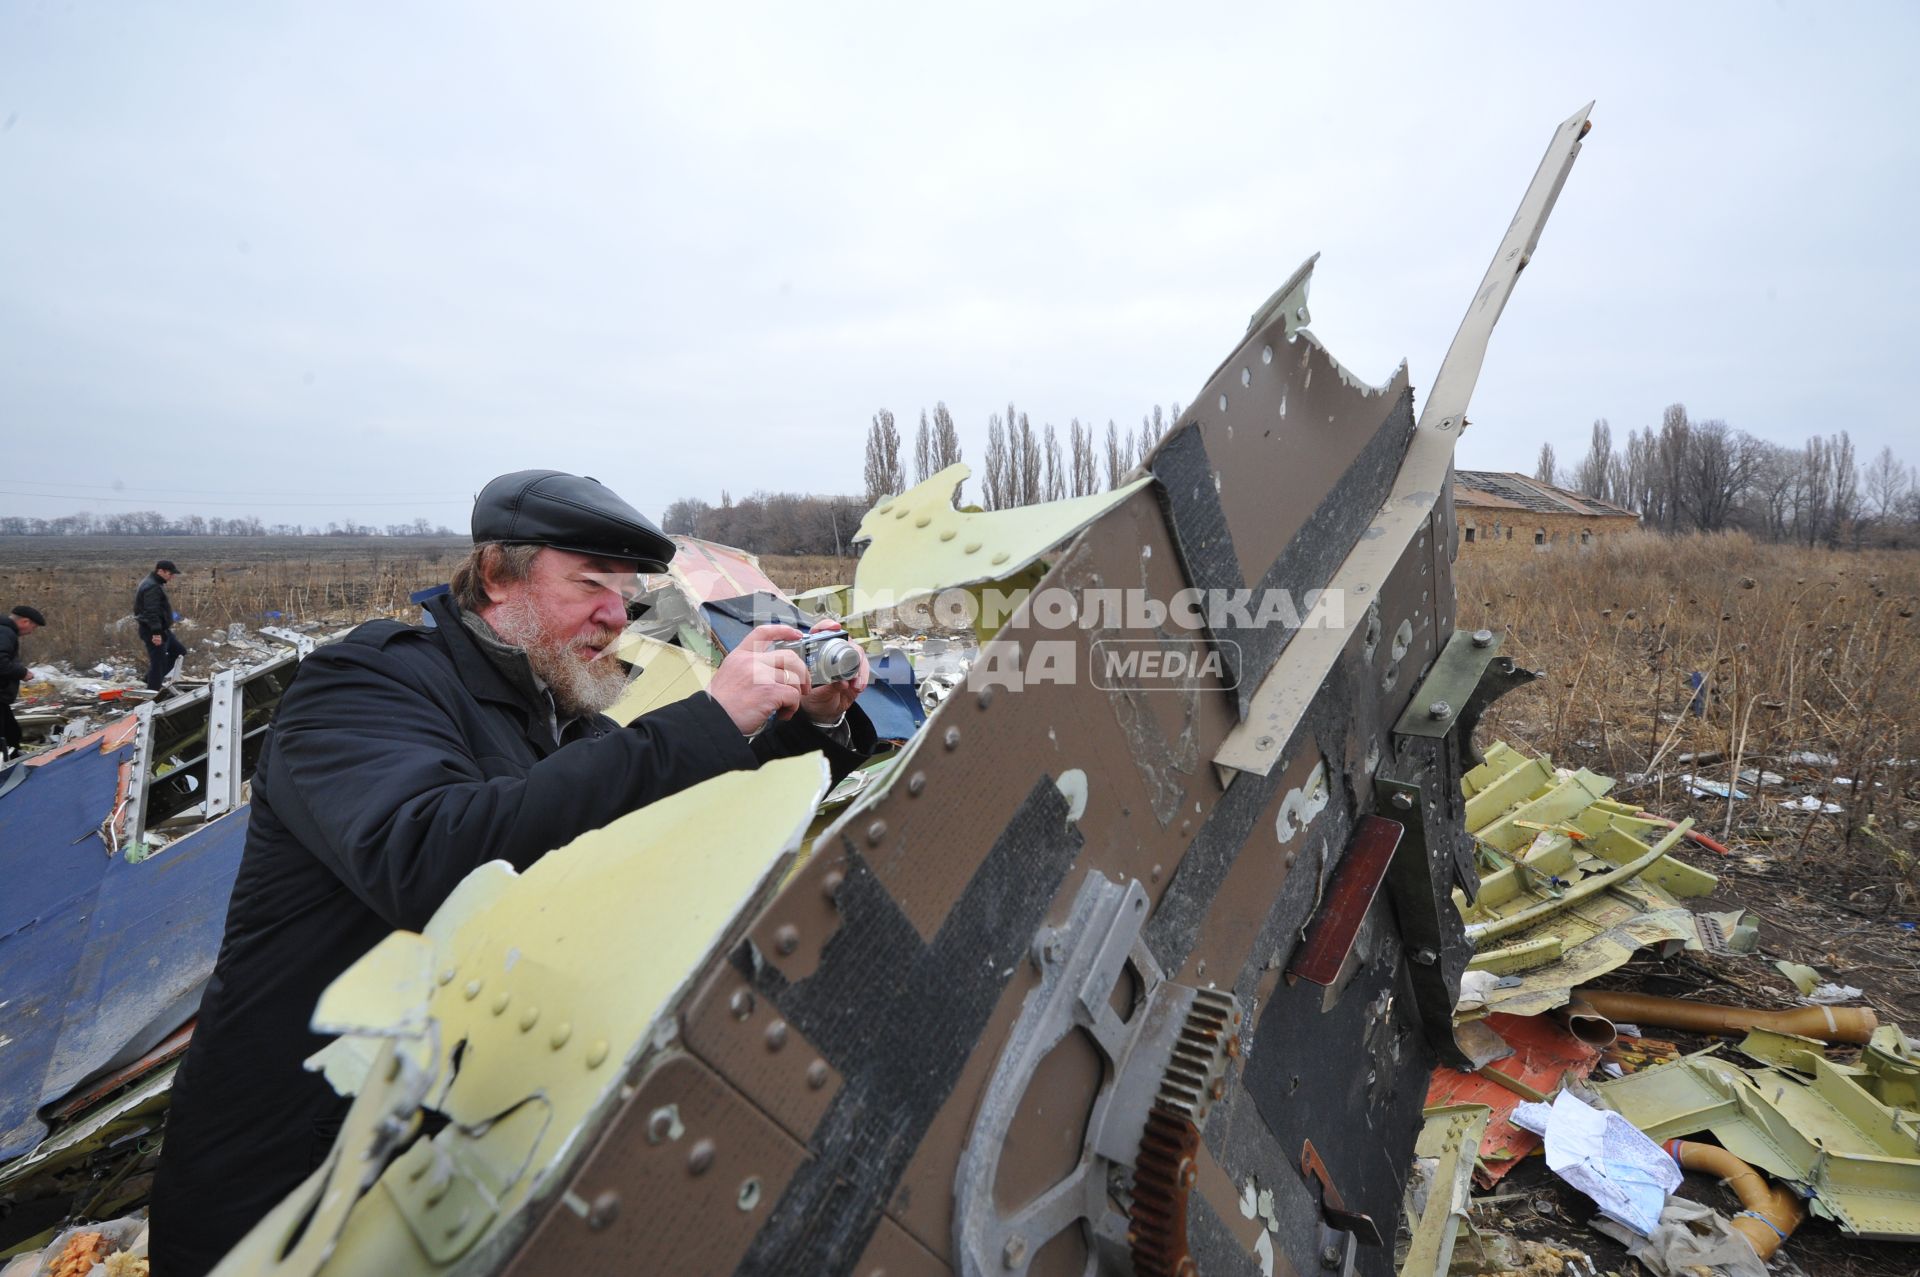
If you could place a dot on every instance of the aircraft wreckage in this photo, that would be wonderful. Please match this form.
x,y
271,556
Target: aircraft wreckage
x,y
1092,974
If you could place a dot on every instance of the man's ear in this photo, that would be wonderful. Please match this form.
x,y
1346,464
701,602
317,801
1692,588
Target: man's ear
x,y
497,579
490,583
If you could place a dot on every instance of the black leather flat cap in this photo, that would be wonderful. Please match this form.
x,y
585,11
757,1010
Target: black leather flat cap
x,y
567,512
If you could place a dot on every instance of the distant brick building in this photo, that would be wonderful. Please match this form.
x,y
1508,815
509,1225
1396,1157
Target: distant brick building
x,y
1515,510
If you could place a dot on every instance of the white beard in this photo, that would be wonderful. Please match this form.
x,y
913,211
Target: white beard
x,y
579,687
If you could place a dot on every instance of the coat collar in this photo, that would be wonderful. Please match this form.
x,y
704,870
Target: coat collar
x,y
482,675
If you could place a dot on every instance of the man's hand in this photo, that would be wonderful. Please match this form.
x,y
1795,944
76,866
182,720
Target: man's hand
x,y
757,680
828,703
157,639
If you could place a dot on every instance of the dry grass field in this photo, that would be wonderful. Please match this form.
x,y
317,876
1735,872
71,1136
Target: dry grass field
x,y
796,572
1800,653
85,585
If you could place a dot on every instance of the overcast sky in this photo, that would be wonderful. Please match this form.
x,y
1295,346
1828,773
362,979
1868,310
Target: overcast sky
x,y
348,260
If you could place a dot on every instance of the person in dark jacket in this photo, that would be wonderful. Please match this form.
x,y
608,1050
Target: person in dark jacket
x,y
154,614
13,672
401,758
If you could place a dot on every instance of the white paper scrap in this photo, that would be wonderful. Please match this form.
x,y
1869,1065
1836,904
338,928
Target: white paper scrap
x,y
1626,1174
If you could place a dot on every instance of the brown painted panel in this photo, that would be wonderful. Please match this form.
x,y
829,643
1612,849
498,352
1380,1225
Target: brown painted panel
x,y
892,1253
1238,913
741,1035
796,925
980,754
1283,438
686,1204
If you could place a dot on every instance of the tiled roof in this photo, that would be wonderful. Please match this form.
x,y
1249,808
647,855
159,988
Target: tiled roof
x,y
1509,491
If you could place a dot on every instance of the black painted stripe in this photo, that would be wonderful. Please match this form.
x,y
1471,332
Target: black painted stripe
x,y
899,1018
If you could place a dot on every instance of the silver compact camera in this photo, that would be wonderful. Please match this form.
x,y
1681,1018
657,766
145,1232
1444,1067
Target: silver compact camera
x,y
830,657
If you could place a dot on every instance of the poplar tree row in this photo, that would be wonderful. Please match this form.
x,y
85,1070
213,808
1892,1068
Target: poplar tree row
x,y
1023,465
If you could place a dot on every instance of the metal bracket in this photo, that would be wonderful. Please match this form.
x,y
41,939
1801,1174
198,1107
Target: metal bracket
x,y
303,645
225,718
1449,684
1333,1207
139,775
1410,884
1151,1063
1500,677
1467,676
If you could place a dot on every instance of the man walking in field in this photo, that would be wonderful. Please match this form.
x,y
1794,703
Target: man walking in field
x,y
154,613
403,757
21,621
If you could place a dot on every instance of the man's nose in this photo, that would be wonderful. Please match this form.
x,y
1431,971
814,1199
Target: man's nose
x,y
610,610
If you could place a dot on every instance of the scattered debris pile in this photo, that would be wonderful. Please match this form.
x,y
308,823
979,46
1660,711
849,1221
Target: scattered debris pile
x,y
60,704
116,1248
1809,1111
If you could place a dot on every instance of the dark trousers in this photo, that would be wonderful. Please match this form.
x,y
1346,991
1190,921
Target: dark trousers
x,y
9,727
160,659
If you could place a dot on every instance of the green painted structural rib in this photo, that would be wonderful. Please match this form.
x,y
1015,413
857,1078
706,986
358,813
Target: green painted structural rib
x,y
1825,1133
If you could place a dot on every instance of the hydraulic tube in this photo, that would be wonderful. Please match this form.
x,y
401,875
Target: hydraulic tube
x,y
1585,1023
1772,1212
1828,1024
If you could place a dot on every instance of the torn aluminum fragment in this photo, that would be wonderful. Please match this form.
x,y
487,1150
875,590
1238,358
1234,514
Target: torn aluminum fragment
x,y
919,544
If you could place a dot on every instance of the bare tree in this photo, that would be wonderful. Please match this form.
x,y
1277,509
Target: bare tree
x,y
1031,478
994,483
1595,478
1545,470
883,473
1846,488
1717,465
1086,469
923,450
1116,455
1813,493
946,440
683,516
1056,470
1886,485
1770,492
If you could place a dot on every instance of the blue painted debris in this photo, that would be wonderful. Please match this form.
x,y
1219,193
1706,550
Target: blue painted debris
x,y
419,599
103,958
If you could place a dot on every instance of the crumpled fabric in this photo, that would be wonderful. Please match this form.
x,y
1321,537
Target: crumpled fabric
x,y
1688,1237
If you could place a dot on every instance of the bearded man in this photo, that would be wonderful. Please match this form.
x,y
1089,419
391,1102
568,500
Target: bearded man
x,y
403,757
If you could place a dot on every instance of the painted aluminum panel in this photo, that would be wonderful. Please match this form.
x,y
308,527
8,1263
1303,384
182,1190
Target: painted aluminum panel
x,y
103,958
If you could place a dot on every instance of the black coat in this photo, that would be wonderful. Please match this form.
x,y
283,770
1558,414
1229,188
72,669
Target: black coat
x,y
13,671
400,759
151,607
